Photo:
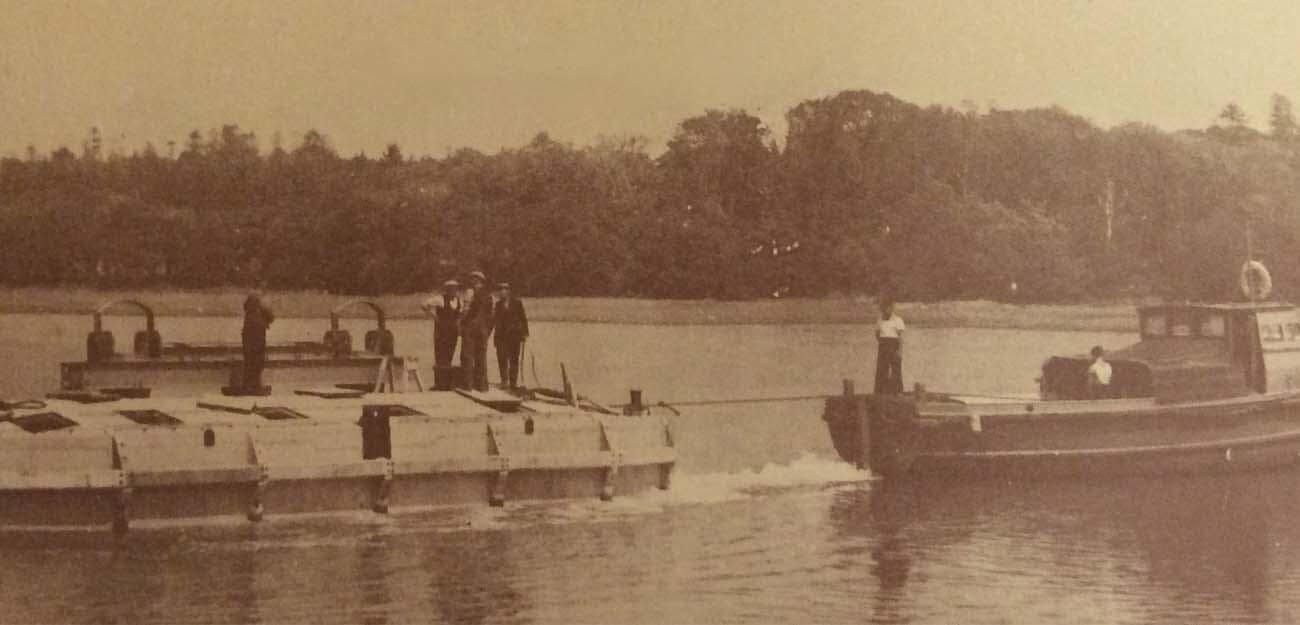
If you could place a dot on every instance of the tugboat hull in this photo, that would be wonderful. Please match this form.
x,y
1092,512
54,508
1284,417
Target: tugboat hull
x,y
943,437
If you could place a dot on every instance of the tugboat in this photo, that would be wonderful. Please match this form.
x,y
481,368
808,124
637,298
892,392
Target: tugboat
x,y
159,434
1207,388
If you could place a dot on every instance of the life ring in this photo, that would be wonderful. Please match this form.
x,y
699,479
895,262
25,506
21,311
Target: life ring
x,y
1255,281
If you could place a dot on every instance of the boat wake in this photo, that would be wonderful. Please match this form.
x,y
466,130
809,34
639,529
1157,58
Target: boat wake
x,y
808,471
805,471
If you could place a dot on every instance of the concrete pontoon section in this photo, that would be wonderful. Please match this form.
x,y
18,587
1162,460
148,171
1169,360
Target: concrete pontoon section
x,y
110,462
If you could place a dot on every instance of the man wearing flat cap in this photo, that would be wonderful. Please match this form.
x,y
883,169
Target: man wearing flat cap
x,y
511,332
475,327
445,310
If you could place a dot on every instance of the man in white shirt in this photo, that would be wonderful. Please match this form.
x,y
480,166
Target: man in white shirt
x,y
1099,374
445,310
889,350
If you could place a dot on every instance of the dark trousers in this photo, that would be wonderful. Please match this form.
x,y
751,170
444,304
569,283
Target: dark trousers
x,y
444,347
480,365
508,361
254,362
889,367
473,359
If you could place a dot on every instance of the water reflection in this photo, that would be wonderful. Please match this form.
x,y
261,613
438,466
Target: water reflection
x,y
1164,549
372,574
470,578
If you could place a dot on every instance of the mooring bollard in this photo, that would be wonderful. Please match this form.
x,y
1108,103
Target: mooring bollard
x,y
634,406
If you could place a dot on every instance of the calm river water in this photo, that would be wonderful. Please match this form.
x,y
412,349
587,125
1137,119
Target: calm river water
x,y
763,524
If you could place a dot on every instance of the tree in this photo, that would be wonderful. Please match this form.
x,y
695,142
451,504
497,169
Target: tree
x,y
92,148
1282,123
1233,115
1234,131
393,155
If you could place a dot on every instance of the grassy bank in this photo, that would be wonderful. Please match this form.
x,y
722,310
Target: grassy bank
x,y
228,302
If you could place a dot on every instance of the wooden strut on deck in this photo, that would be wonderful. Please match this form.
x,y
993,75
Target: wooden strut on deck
x,y
256,510
384,376
384,490
666,469
497,497
615,460
411,372
122,498
570,395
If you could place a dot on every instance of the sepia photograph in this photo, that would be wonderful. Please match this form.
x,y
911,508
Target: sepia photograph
x,y
915,312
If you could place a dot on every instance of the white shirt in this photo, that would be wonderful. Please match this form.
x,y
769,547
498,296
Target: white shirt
x,y
435,302
1099,370
890,328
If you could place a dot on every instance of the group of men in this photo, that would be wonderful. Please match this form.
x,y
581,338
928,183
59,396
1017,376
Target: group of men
x,y
469,315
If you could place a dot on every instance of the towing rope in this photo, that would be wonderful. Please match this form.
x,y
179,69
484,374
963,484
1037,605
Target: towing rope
x,y
739,400
746,400
792,398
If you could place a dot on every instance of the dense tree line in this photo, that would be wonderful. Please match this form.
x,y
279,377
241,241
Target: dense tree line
x,y
867,194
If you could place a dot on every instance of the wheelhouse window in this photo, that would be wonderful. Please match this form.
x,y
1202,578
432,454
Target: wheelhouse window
x,y
1153,325
1278,326
1185,323
1213,326
1181,324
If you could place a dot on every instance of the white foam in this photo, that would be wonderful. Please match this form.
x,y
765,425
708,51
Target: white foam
x,y
806,470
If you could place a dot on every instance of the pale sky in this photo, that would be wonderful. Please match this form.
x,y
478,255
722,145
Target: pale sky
x,y
435,76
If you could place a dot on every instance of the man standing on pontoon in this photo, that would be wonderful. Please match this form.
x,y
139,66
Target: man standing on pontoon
x,y
475,328
445,310
511,332
257,318
889,350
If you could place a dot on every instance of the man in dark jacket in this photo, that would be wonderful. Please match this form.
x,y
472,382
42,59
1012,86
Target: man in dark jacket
x,y
475,327
257,318
445,310
511,332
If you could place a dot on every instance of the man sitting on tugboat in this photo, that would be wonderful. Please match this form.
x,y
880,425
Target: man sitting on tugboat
x,y
1099,374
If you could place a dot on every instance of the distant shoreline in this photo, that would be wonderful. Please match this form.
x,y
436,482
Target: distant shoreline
x,y
1115,317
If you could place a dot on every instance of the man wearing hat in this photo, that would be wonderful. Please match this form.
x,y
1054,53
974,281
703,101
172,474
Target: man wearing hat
x,y
511,332
445,310
475,327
